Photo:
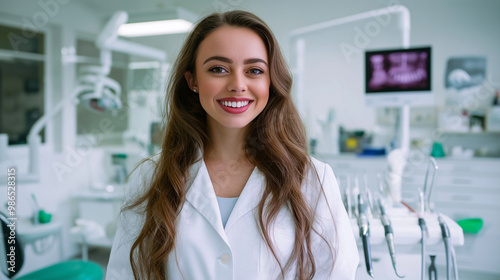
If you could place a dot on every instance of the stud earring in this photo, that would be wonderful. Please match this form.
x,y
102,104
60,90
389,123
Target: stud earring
x,y
195,90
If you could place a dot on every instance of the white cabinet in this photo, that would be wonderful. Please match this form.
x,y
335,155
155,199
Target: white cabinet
x,y
104,209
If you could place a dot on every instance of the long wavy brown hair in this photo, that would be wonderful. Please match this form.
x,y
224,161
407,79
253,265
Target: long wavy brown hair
x,y
276,144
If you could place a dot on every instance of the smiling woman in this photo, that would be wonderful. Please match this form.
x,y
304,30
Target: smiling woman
x,y
233,194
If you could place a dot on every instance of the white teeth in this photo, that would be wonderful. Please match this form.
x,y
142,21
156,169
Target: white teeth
x,y
235,104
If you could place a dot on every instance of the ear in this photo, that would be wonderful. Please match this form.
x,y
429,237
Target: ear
x,y
191,81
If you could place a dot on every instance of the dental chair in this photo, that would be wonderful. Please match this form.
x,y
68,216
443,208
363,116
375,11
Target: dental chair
x,y
70,270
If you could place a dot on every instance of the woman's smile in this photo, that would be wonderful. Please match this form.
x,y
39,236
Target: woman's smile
x,y
234,105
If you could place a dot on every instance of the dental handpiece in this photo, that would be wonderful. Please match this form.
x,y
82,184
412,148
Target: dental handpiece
x,y
364,234
445,233
389,236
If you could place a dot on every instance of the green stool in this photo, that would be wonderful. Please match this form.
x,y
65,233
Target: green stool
x,y
70,270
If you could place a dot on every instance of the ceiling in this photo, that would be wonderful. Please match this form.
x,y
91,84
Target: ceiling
x,y
108,7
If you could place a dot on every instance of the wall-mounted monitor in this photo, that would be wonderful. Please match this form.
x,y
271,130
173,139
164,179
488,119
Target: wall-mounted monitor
x,y
397,77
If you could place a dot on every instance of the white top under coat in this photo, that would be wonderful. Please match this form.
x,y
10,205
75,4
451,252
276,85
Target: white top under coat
x,y
205,249
226,205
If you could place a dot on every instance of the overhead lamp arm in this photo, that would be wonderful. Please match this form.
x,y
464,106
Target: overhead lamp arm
x,y
108,40
34,139
299,48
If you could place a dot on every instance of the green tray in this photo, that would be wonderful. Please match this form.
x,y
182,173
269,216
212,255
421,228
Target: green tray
x,y
472,225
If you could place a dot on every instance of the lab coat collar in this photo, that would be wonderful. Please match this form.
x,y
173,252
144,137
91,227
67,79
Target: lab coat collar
x,y
249,197
201,196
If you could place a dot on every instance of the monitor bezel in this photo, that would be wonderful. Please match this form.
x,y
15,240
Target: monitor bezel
x,y
399,97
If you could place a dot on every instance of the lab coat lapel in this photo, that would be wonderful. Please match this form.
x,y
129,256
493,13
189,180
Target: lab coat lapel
x,y
249,197
201,196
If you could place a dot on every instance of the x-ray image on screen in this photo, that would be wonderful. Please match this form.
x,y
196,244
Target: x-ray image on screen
x,y
398,70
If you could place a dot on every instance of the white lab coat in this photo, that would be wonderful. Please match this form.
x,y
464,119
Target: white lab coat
x,y
207,250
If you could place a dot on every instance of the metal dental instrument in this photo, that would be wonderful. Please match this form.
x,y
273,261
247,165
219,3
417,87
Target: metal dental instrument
x,y
369,199
428,190
345,200
348,197
371,205
381,188
450,252
355,191
423,230
432,268
364,234
389,236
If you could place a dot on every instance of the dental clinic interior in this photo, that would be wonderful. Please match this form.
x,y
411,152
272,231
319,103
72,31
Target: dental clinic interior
x,y
399,97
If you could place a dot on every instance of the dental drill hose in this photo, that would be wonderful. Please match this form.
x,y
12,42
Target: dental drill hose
x,y
445,232
450,251
423,229
367,252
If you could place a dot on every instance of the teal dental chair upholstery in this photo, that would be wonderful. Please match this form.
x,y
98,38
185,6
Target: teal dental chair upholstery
x,y
69,270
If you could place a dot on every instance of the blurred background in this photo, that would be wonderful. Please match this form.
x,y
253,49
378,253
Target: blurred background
x,y
81,100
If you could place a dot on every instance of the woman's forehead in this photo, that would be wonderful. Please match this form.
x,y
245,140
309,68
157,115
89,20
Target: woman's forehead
x,y
235,43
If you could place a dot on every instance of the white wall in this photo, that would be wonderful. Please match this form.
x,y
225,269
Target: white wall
x,y
452,28
69,13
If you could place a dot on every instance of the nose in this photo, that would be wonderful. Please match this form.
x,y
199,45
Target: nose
x,y
237,83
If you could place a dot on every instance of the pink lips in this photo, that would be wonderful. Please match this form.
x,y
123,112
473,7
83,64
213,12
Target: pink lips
x,y
233,110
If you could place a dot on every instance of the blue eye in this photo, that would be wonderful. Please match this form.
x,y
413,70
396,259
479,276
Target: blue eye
x,y
255,71
217,70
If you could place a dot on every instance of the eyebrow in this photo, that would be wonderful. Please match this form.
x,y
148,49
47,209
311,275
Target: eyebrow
x,y
227,60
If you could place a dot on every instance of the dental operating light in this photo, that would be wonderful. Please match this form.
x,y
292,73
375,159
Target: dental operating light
x,y
99,93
